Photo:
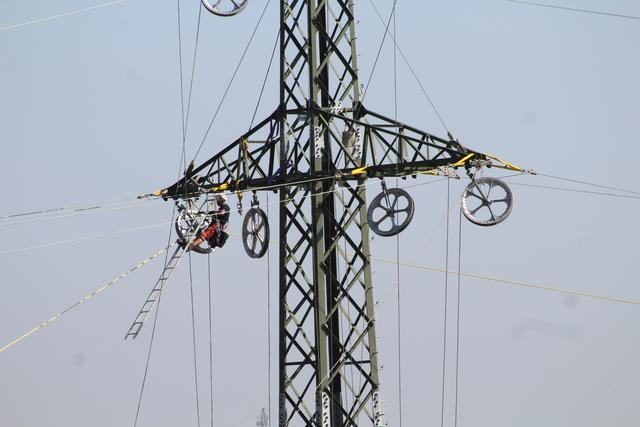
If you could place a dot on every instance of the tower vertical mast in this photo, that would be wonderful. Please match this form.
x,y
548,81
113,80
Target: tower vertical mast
x,y
328,357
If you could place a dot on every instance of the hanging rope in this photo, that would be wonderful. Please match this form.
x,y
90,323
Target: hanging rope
x,y
210,335
458,319
193,334
153,329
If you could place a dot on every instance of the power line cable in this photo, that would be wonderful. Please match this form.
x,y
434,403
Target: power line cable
x,y
553,6
592,184
264,81
193,334
573,190
81,239
49,18
235,72
83,300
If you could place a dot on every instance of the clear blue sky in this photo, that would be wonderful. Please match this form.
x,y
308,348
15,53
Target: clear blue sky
x,y
90,112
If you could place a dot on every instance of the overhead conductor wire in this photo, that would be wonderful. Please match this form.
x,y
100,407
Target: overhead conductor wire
x,y
183,124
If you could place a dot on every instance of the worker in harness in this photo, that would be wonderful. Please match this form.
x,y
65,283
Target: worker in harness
x,y
214,234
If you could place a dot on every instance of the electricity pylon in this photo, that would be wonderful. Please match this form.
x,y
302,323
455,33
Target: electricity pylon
x,y
317,149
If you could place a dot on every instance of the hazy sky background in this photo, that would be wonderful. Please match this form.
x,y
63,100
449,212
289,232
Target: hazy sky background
x,y
90,112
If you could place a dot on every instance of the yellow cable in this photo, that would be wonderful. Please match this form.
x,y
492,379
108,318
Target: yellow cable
x,y
83,300
511,282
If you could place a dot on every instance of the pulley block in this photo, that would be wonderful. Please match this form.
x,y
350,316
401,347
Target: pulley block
x,y
255,232
225,7
390,212
189,221
487,201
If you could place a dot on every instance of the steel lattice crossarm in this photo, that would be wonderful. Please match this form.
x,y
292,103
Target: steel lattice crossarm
x,y
371,145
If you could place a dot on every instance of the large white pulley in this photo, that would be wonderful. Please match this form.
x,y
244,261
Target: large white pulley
x,y
189,222
225,7
390,212
487,201
255,233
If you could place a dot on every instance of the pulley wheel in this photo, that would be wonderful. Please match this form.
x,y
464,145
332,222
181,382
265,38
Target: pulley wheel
x,y
255,233
225,7
188,221
487,201
390,212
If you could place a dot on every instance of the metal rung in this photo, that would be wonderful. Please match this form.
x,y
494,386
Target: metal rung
x,y
154,295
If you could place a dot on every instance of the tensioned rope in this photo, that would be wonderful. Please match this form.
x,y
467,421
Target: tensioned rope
x,y
513,282
180,165
235,72
193,335
210,338
457,380
415,76
83,300
81,239
153,330
49,18
395,117
573,9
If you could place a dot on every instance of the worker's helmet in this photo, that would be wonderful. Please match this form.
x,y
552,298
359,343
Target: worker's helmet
x,y
221,197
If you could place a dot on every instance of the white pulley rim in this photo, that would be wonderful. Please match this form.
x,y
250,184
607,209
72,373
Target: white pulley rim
x,y
225,7
487,201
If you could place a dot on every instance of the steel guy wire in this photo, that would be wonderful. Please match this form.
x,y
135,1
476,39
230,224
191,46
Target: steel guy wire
x,y
415,76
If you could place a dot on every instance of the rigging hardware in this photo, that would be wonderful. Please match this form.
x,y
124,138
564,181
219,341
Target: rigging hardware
x,y
225,7
189,221
390,212
487,201
255,231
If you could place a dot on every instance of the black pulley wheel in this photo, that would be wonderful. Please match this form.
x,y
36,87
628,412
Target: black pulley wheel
x,y
255,233
487,201
390,212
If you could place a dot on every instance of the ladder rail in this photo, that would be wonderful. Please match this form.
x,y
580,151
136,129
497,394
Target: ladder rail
x,y
155,293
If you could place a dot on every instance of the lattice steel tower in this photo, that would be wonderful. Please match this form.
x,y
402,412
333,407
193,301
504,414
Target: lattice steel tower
x,y
317,149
